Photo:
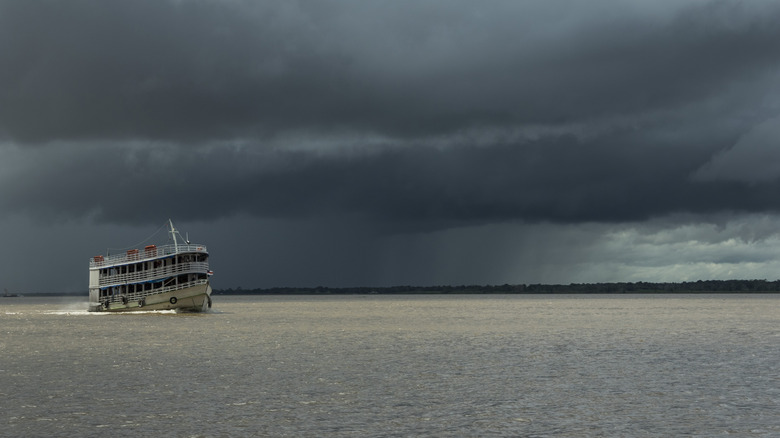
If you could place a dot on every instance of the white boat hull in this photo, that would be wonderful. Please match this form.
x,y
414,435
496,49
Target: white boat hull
x,y
192,299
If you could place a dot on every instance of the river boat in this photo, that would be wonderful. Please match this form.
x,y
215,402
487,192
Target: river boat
x,y
9,295
171,276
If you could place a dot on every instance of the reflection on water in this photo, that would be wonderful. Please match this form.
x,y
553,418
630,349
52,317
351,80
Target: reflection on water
x,y
645,365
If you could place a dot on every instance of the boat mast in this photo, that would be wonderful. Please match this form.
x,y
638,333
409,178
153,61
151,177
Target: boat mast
x,y
173,235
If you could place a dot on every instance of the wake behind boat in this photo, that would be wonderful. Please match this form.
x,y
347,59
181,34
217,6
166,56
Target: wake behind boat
x,y
171,276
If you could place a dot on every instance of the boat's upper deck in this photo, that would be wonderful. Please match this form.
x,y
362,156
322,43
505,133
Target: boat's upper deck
x,y
148,253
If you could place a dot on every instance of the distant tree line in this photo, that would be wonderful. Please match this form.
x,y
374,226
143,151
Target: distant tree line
x,y
701,286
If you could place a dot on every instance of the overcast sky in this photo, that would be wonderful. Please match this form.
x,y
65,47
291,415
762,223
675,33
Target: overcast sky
x,y
376,143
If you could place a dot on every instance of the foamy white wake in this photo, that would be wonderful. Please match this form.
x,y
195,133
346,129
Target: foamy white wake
x,y
80,309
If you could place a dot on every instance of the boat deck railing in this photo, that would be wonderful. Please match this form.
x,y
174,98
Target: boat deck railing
x,y
135,296
153,274
149,253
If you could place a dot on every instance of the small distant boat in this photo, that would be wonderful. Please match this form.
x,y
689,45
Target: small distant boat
x,y
172,276
9,295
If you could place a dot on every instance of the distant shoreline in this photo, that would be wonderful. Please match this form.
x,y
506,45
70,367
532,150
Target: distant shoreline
x,y
710,286
701,286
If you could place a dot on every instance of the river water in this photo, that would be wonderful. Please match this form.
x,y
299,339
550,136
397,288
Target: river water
x,y
362,366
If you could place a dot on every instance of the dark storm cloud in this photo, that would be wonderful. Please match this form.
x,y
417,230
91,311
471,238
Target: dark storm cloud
x,y
539,111
197,70
409,189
